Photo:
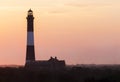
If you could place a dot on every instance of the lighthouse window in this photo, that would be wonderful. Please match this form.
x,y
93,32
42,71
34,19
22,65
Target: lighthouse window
x,y
30,13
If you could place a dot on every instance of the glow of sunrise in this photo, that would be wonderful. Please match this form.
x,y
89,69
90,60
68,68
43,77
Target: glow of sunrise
x,y
79,31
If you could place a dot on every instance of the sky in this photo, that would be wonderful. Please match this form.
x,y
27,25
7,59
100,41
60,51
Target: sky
x,y
78,31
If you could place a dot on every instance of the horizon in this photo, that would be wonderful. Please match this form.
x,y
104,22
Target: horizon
x,y
79,32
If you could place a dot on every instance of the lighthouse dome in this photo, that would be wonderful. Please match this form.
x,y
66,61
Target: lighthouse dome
x,y
30,12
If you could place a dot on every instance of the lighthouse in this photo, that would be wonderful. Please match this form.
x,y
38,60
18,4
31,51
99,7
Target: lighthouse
x,y
30,51
52,63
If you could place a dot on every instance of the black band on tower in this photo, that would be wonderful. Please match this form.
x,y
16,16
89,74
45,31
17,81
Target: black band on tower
x,y
30,25
30,53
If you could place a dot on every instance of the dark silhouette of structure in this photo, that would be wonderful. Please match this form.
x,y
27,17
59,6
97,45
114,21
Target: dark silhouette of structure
x,y
52,63
30,54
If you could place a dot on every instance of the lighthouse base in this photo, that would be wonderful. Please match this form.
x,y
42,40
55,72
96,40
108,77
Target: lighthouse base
x,y
50,64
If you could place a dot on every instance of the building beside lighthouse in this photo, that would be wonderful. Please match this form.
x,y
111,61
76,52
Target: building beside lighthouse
x,y
52,63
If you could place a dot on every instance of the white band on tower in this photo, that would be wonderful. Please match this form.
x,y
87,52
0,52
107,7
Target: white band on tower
x,y
30,38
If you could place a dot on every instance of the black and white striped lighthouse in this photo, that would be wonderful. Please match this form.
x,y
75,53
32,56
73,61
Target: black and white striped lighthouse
x,y
30,51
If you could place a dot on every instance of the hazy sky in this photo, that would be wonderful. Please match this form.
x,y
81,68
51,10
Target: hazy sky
x,y
79,31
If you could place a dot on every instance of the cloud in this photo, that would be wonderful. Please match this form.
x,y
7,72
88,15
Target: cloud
x,y
83,5
76,5
72,7
58,11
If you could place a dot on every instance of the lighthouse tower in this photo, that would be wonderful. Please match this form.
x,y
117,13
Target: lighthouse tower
x,y
30,51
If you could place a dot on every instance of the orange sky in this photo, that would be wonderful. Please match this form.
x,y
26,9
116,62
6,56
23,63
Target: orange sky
x,y
84,32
